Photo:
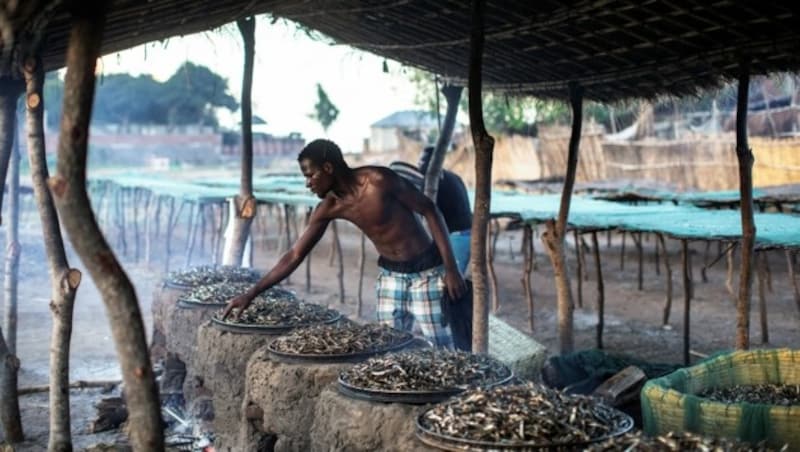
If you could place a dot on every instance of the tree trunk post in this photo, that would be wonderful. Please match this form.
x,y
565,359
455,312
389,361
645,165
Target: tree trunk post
x,y
745,157
244,209
601,291
9,364
637,241
64,281
68,187
668,268
553,237
492,249
452,94
13,250
484,146
729,262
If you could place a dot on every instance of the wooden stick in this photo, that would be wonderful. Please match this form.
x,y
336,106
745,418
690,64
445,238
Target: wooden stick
x,y
745,158
80,384
768,271
657,256
792,278
490,252
579,268
287,224
729,259
637,241
687,301
622,253
668,267
761,273
168,234
601,297
190,227
527,240
705,262
136,197
193,225
223,213
361,259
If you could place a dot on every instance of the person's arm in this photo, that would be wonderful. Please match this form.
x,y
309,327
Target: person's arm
x,y
416,201
317,224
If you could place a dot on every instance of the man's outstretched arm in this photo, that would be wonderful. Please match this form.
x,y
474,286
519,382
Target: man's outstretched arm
x,y
287,263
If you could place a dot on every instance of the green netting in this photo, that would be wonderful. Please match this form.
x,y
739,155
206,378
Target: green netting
x,y
671,402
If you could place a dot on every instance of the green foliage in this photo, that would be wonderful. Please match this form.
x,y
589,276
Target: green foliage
x,y
325,112
188,97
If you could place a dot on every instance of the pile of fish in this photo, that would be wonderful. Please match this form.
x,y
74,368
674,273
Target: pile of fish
x,y
210,274
675,442
346,338
219,293
281,312
426,370
529,414
769,394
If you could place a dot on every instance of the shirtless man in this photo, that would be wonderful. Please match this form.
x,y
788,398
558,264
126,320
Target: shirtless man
x,y
414,271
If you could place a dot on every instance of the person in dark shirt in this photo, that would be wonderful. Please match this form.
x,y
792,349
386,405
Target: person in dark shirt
x,y
451,199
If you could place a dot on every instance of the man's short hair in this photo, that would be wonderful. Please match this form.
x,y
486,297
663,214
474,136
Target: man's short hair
x,y
320,151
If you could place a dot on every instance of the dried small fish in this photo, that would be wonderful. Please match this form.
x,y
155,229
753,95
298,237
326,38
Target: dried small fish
x,y
281,312
638,442
346,338
769,394
219,293
426,370
522,414
210,274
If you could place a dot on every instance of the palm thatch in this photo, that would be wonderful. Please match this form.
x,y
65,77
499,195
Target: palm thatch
x,y
616,49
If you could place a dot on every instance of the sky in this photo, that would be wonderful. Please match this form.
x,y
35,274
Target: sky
x,y
288,65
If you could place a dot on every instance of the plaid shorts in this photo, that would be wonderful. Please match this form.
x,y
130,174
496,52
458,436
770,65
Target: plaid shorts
x,y
406,297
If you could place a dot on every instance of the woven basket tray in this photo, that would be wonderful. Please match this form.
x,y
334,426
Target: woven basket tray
x,y
670,403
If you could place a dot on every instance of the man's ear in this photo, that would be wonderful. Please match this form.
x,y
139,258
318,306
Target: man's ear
x,y
327,167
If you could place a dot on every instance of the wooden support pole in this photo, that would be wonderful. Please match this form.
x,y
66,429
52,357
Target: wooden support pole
x,y
484,146
493,232
657,253
729,262
553,237
68,187
189,229
579,268
361,260
745,157
622,252
527,250
705,262
761,272
168,233
193,225
792,278
687,301
637,241
601,295
668,268
220,232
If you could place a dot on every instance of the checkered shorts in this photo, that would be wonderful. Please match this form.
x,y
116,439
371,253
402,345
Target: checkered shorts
x,y
406,297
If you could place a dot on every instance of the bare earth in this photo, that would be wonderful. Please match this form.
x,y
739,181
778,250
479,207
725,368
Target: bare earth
x,y
633,317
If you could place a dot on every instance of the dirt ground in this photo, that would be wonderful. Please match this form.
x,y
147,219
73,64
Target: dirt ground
x,y
632,319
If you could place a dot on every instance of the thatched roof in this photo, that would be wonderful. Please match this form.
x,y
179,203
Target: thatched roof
x,y
615,48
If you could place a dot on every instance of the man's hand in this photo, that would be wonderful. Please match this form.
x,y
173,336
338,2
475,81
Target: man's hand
x,y
455,285
240,302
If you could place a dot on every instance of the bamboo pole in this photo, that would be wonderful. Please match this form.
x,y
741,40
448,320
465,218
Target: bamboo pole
x,y
601,292
687,301
527,250
68,187
745,157
484,145
553,237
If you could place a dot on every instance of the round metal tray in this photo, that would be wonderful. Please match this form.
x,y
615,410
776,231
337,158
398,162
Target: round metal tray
x,y
273,330
335,358
452,443
412,397
188,303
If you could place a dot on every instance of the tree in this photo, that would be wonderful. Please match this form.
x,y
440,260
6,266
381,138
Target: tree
x,y
191,94
325,112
